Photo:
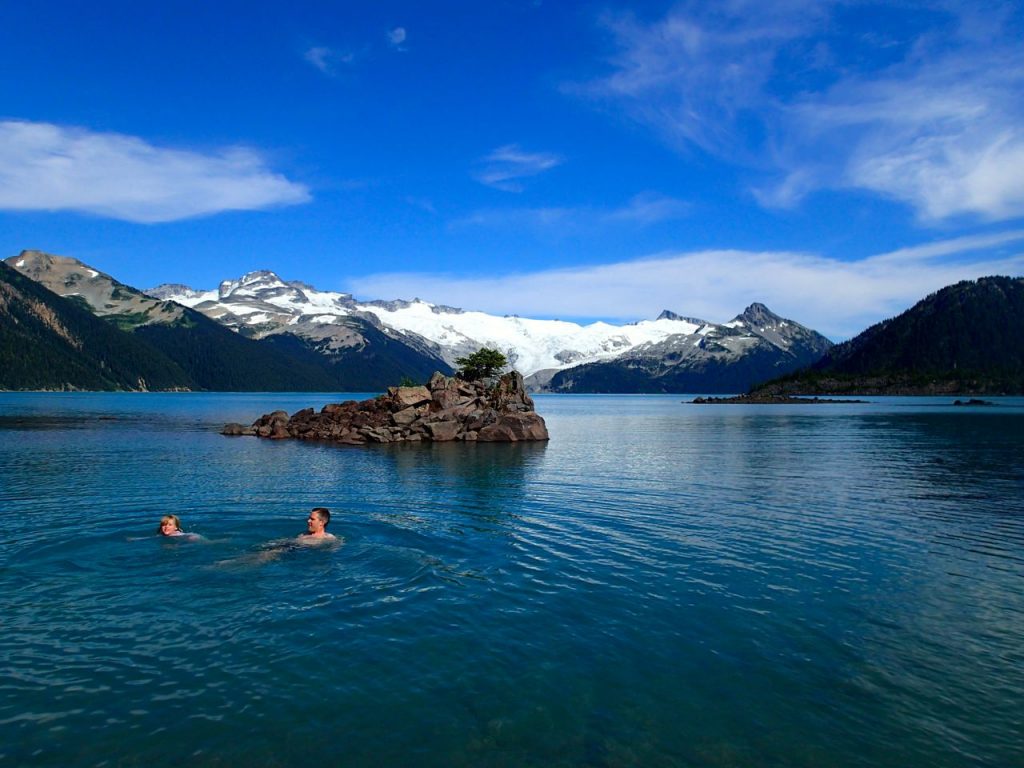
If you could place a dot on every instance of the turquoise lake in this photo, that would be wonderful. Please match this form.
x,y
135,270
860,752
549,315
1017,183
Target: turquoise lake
x,y
662,584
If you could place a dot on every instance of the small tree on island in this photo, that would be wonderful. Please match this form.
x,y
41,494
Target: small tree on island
x,y
482,364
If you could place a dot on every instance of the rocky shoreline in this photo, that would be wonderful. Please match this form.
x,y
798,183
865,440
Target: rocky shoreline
x,y
446,409
769,400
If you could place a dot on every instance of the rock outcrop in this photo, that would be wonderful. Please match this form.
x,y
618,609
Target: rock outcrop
x,y
447,408
768,399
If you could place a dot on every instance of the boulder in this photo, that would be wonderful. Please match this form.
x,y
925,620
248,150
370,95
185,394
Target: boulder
x,y
405,417
409,396
513,427
442,431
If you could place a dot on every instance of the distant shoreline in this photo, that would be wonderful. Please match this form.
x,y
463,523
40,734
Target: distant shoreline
x,y
768,400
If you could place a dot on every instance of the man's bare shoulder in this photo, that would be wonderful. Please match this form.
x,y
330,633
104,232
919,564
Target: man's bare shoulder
x,y
306,538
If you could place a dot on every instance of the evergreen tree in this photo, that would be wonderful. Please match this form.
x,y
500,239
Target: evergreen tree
x,y
482,364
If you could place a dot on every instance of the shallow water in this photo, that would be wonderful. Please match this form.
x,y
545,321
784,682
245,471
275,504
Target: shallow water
x,y
662,584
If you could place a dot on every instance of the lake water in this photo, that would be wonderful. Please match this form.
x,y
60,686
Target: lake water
x,y
662,584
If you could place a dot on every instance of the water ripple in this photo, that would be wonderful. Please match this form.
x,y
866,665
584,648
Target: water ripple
x,y
660,585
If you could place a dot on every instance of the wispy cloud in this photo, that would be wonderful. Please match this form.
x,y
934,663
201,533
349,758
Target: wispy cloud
x,y
328,60
396,38
643,209
837,298
650,208
48,167
810,94
422,204
505,167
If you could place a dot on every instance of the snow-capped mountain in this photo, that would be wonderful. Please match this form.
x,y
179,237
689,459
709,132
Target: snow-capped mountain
x,y
755,346
355,354
261,303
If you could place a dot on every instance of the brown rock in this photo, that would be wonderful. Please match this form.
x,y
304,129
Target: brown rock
x,y
442,431
513,427
406,397
405,417
444,391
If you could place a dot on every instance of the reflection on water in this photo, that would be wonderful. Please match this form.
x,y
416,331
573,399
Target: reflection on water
x,y
661,584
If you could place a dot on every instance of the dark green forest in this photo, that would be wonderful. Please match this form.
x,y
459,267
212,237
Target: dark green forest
x,y
967,337
47,342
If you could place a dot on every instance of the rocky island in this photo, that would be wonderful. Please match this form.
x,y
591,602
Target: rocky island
x,y
447,408
758,398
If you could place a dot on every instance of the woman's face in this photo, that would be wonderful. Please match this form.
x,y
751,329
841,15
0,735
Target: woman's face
x,y
168,528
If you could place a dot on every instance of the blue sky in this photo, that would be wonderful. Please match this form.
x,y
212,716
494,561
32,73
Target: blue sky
x,y
834,160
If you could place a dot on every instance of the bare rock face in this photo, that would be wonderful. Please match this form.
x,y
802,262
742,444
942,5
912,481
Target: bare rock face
x,y
446,409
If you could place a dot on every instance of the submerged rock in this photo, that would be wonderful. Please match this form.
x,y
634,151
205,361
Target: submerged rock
x,y
446,409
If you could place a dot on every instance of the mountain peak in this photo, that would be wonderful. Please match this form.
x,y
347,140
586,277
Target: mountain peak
x,y
667,314
758,313
39,261
258,280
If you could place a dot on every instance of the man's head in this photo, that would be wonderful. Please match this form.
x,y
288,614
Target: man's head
x,y
318,519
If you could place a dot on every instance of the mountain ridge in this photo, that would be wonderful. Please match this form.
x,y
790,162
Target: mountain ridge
x,y
213,356
260,303
966,338
963,338
50,343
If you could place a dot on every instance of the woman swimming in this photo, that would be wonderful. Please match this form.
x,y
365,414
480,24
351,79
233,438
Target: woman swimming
x,y
170,525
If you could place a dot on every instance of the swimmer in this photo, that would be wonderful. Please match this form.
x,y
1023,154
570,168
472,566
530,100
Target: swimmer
x,y
170,525
316,526
315,536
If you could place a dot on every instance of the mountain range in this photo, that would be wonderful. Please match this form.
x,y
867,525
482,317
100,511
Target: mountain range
x,y
139,333
297,337
670,353
64,324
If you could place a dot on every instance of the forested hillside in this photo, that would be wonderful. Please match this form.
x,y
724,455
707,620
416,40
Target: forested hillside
x,y
967,338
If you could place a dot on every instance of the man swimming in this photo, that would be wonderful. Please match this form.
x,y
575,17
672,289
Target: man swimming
x,y
315,536
316,525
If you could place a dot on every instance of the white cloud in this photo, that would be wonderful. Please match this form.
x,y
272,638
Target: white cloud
x,y
46,167
396,38
643,209
506,166
836,298
327,59
932,119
